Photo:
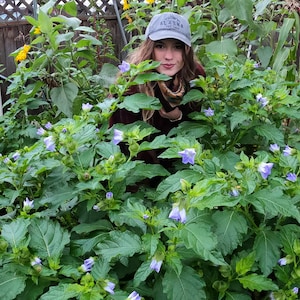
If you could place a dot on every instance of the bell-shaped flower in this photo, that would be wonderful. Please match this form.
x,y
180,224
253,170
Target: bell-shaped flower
x,y
209,112
265,169
287,151
48,126
134,296
49,143
156,265
118,136
291,177
188,155
87,264
110,286
36,261
27,204
274,148
177,214
124,67
86,106
40,131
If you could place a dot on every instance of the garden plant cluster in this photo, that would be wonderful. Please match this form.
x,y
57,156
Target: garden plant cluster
x,y
78,217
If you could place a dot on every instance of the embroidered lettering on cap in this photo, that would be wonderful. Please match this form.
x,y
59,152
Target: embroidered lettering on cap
x,y
171,23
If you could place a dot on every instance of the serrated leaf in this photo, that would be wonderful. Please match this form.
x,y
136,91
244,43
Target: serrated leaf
x,y
271,133
230,229
245,264
229,295
236,118
142,273
183,286
15,232
139,101
272,202
200,239
267,247
172,183
121,244
48,238
11,285
61,292
258,283
63,97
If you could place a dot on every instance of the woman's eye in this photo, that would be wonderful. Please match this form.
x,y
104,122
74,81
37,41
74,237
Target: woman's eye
x,y
159,46
179,46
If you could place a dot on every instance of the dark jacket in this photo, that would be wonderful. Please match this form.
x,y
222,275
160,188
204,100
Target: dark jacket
x,y
164,125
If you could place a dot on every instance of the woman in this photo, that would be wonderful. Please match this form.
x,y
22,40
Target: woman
x,y
168,41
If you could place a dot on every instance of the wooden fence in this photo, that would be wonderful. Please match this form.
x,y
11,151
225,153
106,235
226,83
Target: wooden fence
x,y
14,27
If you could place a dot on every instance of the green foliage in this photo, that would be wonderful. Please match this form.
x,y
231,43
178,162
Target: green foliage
x,y
70,197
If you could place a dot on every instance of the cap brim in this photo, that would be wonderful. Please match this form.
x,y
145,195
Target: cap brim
x,y
169,34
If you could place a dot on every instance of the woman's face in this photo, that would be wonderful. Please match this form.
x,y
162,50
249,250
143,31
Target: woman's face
x,y
169,52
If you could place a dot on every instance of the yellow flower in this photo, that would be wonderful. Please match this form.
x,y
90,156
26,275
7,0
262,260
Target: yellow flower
x,y
37,30
128,18
21,56
150,1
125,5
26,48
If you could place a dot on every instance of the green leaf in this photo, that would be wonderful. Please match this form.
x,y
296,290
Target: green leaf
x,y
15,232
186,285
188,128
61,292
236,118
172,183
121,244
192,95
288,234
153,76
150,242
140,101
45,22
142,273
63,97
229,295
258,283
272,202
200,239
245,264
225,46
11,285
107,75
48,238
242,9
64,37
230,229
102,225
271,133
70,8
267,247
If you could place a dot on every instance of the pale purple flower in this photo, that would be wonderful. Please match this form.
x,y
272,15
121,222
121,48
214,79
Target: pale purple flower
x,y
36,261
295,290
265,169
177,214
209,112
40,131
262,100
6,160
134,296
124,67
109,195
291,177
287,151
188,155
50,144
27,203
282,261
118,136
256,65
234,193
48,126
274,147
64,130
110,287
16,156
88,264
96,208
86,106
156,265
145,216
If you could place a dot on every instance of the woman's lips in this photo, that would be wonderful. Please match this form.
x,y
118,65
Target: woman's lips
x,y
168,66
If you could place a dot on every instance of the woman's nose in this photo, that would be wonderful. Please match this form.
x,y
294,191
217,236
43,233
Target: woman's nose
x,y
169,53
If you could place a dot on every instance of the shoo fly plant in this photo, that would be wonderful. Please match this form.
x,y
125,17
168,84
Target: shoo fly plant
x,y
82,219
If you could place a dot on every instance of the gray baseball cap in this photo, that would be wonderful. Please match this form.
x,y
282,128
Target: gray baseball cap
x,y
169,25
